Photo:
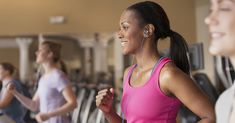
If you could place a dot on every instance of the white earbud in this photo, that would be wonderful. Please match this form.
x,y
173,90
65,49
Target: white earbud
x,y
146,33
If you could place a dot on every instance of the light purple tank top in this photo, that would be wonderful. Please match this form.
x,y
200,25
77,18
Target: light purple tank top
x,y
148,104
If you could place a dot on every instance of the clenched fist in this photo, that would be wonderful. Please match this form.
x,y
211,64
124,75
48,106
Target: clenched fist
x,y
11,87
41,117
104,100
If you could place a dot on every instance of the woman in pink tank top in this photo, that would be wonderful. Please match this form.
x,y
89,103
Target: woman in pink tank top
x,y
155,87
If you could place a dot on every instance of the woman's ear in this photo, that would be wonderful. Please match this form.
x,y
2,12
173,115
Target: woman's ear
x,y
50,55
7,72
150,29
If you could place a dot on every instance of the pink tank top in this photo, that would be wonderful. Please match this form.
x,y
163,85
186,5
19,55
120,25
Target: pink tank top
x,y
148,104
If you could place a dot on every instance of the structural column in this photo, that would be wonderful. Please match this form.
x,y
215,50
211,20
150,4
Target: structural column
x,y
118,59
100,52
87,44
41,38
24,44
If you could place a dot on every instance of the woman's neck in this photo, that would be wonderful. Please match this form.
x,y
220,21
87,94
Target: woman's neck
x,y
146,58
49,67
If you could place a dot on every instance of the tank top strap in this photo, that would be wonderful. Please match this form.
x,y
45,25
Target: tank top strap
x,y
156,72
127,77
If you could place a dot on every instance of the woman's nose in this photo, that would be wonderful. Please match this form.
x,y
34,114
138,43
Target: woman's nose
x,y
119,34
211,19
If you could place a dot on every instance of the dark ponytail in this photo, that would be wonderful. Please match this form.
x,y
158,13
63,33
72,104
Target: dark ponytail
x,y
178,51
63,67
149,12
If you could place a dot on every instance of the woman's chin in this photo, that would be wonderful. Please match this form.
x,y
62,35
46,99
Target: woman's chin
x,y
124,52
38,62
216,51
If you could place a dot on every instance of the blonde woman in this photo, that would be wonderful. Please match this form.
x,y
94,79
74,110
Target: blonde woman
x,y
54,97
221,23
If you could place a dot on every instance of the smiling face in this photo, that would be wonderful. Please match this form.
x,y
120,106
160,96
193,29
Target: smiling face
x,y
43,54
130,33
221,23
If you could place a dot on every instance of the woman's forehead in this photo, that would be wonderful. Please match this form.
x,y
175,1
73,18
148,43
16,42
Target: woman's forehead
x,y
220,1
43,46
128,16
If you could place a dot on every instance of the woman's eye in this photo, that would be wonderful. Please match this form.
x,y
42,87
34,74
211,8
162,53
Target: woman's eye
x,y
224,9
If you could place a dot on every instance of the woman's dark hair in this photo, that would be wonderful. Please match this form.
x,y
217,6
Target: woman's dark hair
x,y
8,67
55,48
63,67
151,13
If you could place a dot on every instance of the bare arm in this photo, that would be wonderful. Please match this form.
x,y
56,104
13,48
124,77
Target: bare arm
x,y
31,104
113,117
104,101
71,103
6,99
174,82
